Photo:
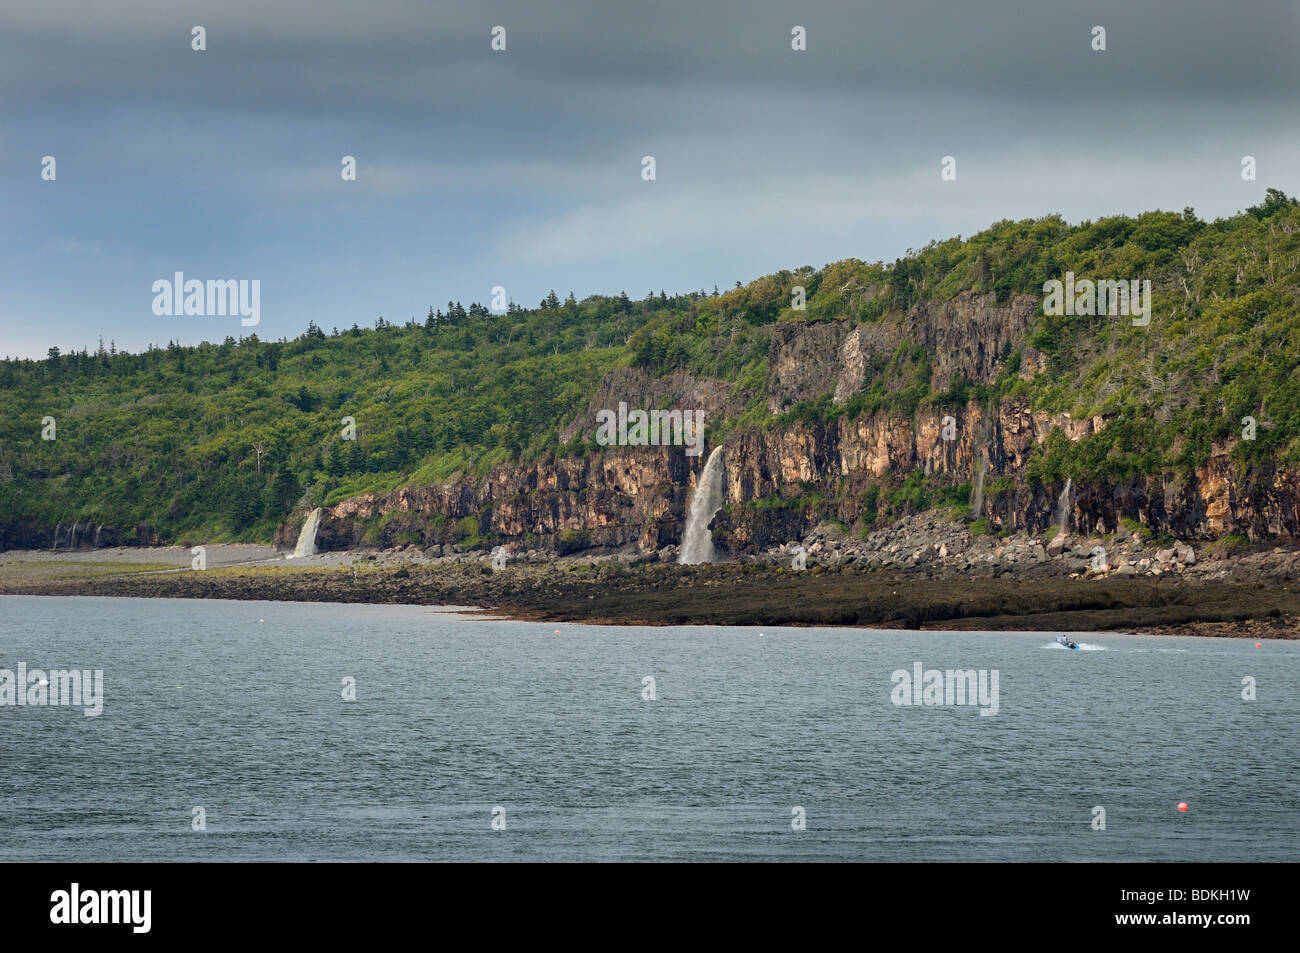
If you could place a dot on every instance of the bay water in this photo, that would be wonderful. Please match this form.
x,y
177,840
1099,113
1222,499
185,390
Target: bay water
x,y
476,738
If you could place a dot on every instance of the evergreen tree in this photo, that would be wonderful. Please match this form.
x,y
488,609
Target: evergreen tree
x,y
284,492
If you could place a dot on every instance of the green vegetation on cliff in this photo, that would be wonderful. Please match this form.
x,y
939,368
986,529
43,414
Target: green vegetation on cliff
x,y
1223,342
222,441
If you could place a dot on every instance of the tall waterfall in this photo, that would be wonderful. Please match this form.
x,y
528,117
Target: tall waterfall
x,y
977,497
697,541
982,464
307,536
1063,507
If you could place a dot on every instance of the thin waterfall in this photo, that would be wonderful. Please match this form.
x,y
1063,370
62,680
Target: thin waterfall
x,y
1063,507
982,464
977,497
307,536
697,541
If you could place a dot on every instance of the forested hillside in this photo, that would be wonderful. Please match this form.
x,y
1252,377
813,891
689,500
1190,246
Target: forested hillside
x,y
223,441
1223,343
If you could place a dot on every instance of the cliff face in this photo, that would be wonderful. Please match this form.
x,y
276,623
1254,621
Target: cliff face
x,y
843,463
625,495
781,481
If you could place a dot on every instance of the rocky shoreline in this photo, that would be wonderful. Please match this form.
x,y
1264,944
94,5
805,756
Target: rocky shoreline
x,y
924,572
933,542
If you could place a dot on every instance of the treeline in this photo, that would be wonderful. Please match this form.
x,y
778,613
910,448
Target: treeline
x,y
222,441
1222,348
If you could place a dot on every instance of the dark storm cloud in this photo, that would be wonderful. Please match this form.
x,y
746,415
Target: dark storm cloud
x,y
421,59
523,168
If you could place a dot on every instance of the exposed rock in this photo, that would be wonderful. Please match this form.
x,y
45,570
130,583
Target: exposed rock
x,y
637,496
1032,363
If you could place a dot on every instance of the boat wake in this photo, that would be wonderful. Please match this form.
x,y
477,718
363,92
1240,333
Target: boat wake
x,y
1083,647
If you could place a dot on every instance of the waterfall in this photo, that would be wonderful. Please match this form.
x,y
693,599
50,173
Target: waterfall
x,y
307,536
97,529
697,541
57,527
977,497
1063,508
982,465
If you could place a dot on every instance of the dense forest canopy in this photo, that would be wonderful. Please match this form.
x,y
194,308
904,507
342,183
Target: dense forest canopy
x,y
222,441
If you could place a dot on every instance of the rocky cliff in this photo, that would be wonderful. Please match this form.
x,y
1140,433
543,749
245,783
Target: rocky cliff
x,y
783,478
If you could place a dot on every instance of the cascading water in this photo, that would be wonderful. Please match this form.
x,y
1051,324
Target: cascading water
x,y
1063,507
982,464
307,536
977,497
697,541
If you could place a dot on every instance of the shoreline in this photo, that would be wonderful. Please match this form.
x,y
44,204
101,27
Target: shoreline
x,y
622,593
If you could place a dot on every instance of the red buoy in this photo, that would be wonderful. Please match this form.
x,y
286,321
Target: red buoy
x,y
1182,806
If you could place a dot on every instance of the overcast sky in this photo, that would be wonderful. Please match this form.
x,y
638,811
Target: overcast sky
x,y
523,168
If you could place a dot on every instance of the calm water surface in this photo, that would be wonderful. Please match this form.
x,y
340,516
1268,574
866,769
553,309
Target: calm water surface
x,y
237,708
